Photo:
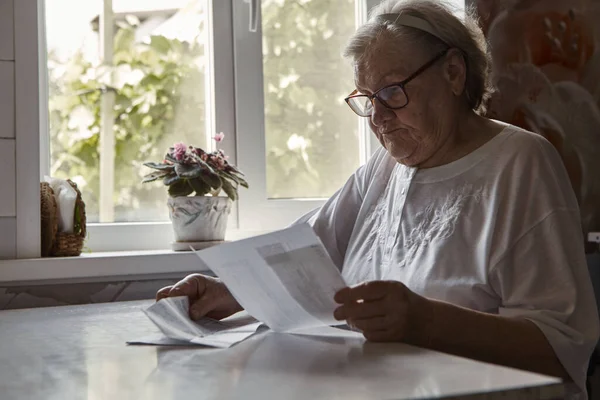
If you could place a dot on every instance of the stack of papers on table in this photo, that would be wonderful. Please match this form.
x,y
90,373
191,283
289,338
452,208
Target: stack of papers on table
x,y
171,316
284,279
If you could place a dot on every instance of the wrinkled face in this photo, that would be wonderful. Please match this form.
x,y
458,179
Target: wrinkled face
x,y
413,134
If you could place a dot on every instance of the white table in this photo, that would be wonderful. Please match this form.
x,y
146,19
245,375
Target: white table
x,y
79,352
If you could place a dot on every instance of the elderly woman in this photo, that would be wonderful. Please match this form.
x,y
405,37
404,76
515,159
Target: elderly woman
x,y
461,234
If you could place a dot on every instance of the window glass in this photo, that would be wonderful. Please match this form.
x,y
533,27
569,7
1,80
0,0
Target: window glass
x,y
153,91
311,134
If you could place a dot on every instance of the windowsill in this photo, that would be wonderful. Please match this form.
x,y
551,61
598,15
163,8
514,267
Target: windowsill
x,y
106,266
102,266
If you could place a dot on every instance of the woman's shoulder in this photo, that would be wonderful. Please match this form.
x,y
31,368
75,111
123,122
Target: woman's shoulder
x,y
517,148
527,158
518,141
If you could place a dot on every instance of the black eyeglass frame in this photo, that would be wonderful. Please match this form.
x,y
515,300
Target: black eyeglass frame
x,y
401,84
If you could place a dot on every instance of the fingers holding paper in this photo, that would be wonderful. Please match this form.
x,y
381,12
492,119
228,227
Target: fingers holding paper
x,y
380,309
208,296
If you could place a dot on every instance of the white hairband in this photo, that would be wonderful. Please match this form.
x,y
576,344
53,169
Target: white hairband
x,y
410,21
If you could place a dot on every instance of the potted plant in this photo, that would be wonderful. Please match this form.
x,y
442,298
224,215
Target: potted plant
x,y
195,179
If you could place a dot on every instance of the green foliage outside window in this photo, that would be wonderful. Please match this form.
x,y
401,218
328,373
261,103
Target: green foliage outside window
x,y
159,88
312,138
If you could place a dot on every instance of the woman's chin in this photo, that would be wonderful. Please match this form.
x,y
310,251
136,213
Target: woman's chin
x,y
405,159
402,156
407,162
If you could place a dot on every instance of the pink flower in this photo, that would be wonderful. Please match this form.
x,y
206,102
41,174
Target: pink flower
x,y
220,163
219,137
179,150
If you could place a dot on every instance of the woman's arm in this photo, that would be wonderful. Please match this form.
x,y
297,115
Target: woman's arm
x,y
513,342
388,311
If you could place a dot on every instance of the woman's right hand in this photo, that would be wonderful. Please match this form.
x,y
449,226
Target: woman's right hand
x,y
208,296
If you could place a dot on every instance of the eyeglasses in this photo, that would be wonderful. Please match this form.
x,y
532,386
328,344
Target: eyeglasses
x,y
392,96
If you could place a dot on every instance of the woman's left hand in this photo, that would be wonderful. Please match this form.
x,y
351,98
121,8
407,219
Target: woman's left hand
x,y
382,310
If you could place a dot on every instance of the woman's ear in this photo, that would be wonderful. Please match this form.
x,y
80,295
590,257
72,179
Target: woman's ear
x,y
455,71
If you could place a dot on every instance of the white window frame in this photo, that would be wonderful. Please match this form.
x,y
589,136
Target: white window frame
x,y
256,210
32,133
237,106
28,122
140,236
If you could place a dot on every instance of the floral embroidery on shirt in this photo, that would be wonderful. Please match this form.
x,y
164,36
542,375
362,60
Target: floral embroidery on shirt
x,y
377,218
439,220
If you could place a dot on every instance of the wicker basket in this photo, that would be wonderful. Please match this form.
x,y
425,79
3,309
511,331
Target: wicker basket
x,y
61,244
49,218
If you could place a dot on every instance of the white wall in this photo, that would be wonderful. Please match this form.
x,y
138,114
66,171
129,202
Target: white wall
x,y
8,226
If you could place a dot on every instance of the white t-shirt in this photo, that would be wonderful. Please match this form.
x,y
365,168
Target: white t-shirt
x,y
496,231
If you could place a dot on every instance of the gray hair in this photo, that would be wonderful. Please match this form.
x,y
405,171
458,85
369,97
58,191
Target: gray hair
x,y
450,31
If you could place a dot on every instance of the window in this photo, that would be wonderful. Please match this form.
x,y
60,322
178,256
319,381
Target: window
x,y
299,143
128,78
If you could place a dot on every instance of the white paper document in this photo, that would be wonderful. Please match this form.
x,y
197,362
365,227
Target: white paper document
x,y
285,279
171,316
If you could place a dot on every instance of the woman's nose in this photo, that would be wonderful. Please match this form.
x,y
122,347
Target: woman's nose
x,y
381,113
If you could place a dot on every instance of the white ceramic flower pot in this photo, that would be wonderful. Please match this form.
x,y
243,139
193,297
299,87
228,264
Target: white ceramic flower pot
x,y
199,218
